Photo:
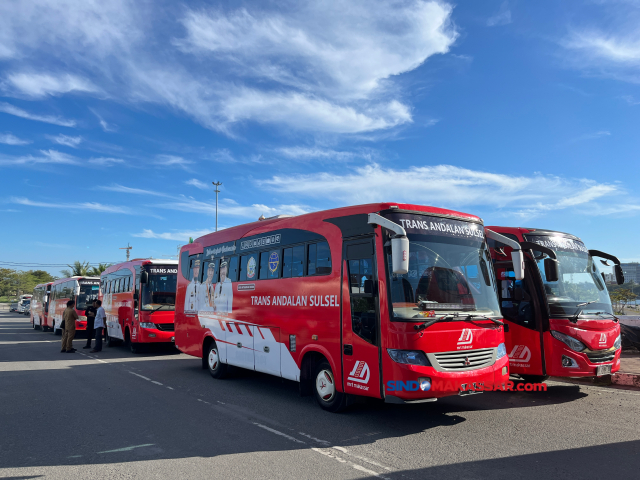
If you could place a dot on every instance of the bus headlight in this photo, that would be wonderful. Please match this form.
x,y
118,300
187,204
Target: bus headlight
x,y
502,351
574,344
618,343
409,357
147,325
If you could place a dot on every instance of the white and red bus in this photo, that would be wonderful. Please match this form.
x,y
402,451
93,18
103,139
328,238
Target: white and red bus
x,y
83,290
40,307
560,319
390,301
139,300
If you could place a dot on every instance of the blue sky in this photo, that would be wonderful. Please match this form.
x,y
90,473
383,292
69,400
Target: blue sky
x,y
116,116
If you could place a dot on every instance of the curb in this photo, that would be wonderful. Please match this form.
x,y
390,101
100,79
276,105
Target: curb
x,y
626,379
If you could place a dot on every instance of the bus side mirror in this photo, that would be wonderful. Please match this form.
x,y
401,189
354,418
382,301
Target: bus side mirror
x,y
135,304
135,296
400,255
517,257
551,270
619,274
144,277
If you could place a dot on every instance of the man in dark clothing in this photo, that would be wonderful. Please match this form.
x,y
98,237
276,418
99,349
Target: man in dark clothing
x,y
90,312
99,326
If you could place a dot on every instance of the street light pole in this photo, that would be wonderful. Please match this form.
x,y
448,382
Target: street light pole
x,y
217,184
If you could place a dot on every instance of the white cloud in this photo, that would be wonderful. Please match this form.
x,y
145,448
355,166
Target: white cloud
x,y
194,182
38,85
444,185
18,112
311,153
47,157
230,208
320,67
592,136
172,160
598,45
503,17
105,126
106,161
10,139
92,206
180,236
135,191
65,140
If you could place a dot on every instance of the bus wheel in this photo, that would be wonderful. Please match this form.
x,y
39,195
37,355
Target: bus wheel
x,y
111,342
217,369
134,347
534,378
327,396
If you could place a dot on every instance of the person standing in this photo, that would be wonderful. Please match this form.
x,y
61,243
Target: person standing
x,y
69,318
90,312
98,325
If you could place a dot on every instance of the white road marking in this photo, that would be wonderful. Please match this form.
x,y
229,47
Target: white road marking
x,y
314,439
355,466
288,437
138,375
157,383
170,388
127,449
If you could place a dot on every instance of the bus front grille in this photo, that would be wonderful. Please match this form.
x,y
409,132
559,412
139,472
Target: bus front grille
x,y
601,356
165,327
463,360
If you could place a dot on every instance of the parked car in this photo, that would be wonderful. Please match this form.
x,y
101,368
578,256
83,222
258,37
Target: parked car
x,y
25,307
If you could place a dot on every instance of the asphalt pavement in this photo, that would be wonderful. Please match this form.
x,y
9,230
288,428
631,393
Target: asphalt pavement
x,y
159,415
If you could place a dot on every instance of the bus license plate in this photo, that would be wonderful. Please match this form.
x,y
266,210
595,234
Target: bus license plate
x,y
603,370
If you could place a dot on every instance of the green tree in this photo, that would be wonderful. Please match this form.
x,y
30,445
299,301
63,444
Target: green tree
x,y
620,298
96,271
80,269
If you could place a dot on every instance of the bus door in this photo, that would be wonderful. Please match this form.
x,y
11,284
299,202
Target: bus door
x,y
523,319
360,319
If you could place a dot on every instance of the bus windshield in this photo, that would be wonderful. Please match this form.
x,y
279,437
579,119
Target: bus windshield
x,y
88,293
580,288
159,293
450,270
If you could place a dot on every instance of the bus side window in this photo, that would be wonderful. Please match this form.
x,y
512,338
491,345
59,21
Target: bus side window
x,y
184,264
293,262
232,269
312,259
324,259
269,264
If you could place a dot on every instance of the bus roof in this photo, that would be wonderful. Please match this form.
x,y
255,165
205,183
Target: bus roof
x,y
140,261
286,221
43,285
76,277
533,231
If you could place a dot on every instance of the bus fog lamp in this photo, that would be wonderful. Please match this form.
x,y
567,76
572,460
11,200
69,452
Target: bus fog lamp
x,y
409,357
425,384
572,343
502,351
569,362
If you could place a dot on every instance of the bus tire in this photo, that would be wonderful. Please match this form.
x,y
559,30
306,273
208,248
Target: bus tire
x,y
216,368
135,347
534,378
111,342
326,393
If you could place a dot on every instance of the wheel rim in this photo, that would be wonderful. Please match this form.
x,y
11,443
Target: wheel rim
x,y
213,359
325,385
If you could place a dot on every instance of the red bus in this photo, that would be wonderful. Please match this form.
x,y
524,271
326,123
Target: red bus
x,y
139,300
40,307
390,301
83,290
560,319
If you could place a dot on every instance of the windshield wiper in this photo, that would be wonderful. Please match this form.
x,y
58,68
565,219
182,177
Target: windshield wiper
x,y
610,315
427,324
484,317
574,319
